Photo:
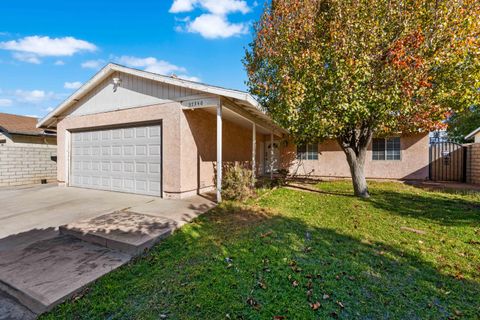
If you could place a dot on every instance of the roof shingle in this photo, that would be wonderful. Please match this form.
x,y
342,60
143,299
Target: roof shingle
x,y
15,124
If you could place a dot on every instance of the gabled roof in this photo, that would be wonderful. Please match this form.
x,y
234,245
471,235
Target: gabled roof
x,y
243,98
472,134
16,124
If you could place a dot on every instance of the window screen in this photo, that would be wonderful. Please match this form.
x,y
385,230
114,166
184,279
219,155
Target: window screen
x,y
386,149
307,152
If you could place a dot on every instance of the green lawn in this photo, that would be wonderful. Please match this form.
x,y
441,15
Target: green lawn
x,y
305,255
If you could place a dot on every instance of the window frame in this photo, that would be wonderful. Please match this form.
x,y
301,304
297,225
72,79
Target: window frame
x,y
389,150
307,151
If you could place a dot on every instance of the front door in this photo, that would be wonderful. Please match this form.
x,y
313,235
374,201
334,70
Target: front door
x,y
269,161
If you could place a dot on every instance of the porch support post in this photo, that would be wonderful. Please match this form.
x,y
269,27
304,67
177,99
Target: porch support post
x,y
271,155
254,152
219,153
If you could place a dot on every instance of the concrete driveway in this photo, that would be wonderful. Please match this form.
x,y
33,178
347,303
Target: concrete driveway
x,y
46,207
100,231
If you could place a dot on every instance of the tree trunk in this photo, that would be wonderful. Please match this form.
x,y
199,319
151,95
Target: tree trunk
x,y
357,165
354,143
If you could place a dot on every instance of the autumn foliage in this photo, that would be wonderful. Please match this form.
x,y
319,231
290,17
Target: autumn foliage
x,y
351,69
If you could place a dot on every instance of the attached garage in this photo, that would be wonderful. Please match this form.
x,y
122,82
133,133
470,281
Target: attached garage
x,y
119,159
133,131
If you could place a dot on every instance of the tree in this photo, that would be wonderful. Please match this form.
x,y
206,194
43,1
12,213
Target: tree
x,y
462,123
351,69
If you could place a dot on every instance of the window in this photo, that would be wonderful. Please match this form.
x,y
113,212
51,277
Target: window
x,y
307,152
386,149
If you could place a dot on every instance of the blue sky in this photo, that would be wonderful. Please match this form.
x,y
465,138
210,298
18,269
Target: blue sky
x,y
48,48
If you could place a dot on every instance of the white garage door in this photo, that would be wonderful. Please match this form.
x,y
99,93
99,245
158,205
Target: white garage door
x,y
120,159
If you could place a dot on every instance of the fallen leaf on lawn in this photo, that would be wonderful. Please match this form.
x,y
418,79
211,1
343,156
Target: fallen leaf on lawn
x,y
295,283
309,293
459,276
309,284
325,296
253,303
315,305
262,284
340,304
266,234
296,269
412,230
351,278
307,249
337,277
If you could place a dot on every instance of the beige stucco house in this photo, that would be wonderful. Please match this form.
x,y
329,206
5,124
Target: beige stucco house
x,y
133,131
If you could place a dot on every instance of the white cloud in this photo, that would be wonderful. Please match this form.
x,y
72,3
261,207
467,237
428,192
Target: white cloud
x,y
182,6
218,7
72,85
154,65
49,109
93,64
34,96
5,102
212,26
46,46
26,57
59,63
150,64
32,116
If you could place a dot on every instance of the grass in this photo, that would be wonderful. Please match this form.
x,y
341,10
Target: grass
x,y
305,255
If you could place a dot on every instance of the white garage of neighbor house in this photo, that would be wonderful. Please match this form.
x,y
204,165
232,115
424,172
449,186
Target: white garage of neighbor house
x,y
133,131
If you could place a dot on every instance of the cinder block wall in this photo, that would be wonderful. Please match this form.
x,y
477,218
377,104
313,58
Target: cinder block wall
x,y
473,163
27,165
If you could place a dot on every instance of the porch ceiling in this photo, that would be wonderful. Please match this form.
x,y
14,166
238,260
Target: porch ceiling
x,y
239,120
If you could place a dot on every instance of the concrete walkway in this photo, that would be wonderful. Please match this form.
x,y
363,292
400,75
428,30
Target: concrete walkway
x,y
41,266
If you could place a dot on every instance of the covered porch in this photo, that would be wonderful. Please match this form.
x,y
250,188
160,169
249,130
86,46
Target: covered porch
x,y
241,132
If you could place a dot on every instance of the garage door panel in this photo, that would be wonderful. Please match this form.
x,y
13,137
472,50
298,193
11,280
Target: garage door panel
x,y
122,159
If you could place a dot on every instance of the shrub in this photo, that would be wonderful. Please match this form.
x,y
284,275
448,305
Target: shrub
x,y
237,182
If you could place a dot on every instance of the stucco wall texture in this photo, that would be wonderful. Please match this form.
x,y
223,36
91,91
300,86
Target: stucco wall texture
x,y
189,143
189,149
333,163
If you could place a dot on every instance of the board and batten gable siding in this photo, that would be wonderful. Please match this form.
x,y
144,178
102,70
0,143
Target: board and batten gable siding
x,y
132,92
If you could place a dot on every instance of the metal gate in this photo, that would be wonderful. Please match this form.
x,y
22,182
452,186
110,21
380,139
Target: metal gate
x,y
447,162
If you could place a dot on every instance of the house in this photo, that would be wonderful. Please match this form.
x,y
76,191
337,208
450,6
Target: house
x,y
134,131
27,153
474,135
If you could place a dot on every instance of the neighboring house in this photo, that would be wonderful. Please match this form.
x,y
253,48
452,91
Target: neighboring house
x,y
133,131
27,153
474,135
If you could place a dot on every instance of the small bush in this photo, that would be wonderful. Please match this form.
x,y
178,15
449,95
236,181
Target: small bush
x,y
237,182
